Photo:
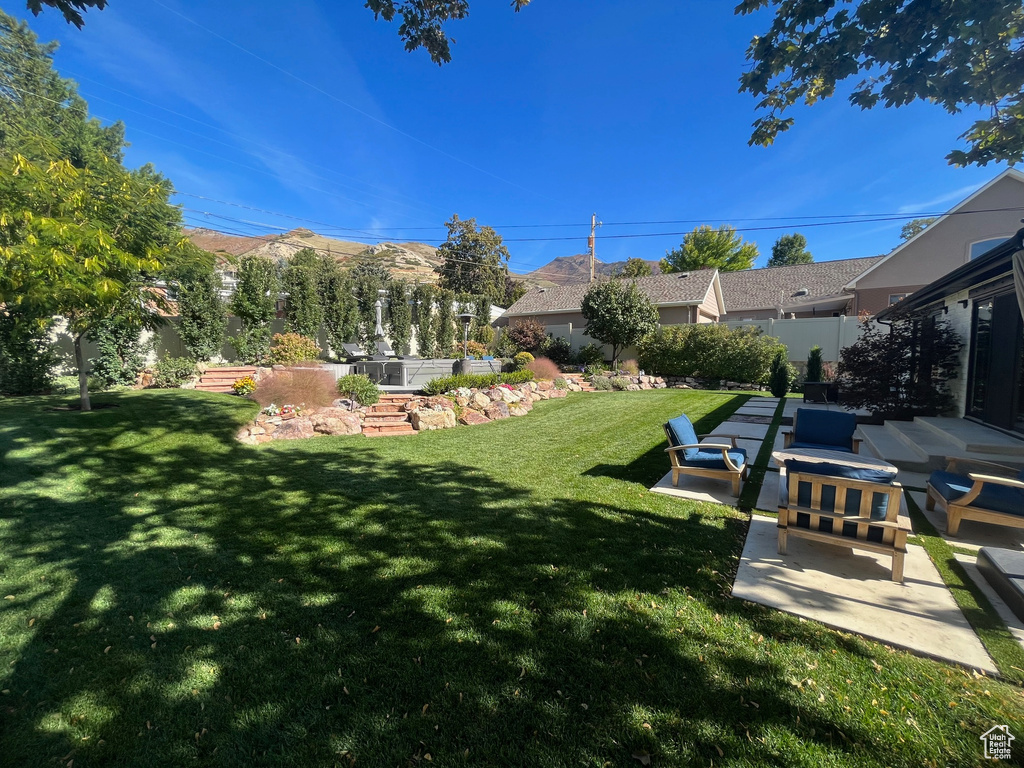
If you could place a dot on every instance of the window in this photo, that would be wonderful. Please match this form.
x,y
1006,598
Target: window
x,y
896,297
982,246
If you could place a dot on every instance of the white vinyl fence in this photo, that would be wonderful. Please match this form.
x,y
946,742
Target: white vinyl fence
x,y
832,334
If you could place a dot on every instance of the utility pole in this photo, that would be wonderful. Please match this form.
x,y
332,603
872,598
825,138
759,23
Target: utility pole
x,y
591,241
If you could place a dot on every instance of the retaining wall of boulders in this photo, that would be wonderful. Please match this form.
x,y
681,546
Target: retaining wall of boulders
x,y
689,382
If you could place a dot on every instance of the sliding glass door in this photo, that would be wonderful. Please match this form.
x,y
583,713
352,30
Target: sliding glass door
x,y
996,374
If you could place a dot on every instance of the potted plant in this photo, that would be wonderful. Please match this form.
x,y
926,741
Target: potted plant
x,y
819,386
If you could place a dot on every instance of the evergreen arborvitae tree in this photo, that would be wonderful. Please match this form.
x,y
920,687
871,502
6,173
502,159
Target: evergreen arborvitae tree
x,y
121,350
482,331
341,314
304,312
815,369
255,304
424,321
399,325
202,314
781,374
444,332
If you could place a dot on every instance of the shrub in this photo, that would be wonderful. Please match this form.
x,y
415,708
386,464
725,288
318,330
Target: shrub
x,y
172,372
602,383
902,371
631,367
620,383
815,371
121,351
293,348
27,357
357,387
475,349
543,368
311,387
709,351
561,383
558,350
590,354
444,384
522,360
782,374
595,370
244,386
527,334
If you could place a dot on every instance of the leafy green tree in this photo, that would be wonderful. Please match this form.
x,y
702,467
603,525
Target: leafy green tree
x,y
341,312
708,248
371,268
202,314
399,315
953,54
789,250
473,260
27,356
444,324
71,9
84,243
423,22
634,268
618,314
302,277
916,226
255,304
42,117
423,297
514,291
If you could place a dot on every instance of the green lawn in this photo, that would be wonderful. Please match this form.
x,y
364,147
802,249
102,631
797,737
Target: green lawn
x,y
506,595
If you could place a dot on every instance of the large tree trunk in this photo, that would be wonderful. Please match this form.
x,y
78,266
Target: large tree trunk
x,y
83,374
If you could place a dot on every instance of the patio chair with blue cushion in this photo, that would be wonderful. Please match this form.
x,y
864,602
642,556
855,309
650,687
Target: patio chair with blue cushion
x,y
996,496
690,457
822,430
848,506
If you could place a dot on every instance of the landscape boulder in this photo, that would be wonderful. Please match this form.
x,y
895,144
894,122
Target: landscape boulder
x,y
479,401
497,410
294,429
517,410
470,418
425,419
336,421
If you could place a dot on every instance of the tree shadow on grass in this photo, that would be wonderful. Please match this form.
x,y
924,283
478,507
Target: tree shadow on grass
x,y
209,602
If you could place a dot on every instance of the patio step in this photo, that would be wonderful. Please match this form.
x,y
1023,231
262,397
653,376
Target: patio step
x,y
385,430
382,419
887,445
921,446
972,437
221,379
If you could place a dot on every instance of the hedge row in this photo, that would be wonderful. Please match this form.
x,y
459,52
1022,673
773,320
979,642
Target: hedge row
x,y
709,351
444,384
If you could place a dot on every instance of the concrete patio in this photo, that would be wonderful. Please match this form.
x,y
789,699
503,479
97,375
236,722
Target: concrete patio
x,y
852,591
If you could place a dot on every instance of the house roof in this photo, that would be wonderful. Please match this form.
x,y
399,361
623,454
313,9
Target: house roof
x,y
675,289
989,265
1009,173
772,287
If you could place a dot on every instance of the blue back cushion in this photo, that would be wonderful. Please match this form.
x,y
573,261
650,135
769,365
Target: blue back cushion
x,y
824,427
998,498
682,433
879,500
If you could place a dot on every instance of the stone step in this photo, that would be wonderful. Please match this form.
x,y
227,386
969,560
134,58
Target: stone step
x,y
971,437
205,386
916,447
380,420
385,408
236,372
887,446
385,430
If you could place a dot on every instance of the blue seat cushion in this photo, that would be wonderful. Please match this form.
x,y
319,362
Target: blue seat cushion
x,y
879,499
998,498
831,429
712,459
821,446
682,433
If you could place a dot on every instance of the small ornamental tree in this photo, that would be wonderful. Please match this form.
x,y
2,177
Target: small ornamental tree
x,y
202,315
445,330
781,375
304,312
399,316
255,304
901,370
815,369
121,353
341,315
618,314
528,334
423,298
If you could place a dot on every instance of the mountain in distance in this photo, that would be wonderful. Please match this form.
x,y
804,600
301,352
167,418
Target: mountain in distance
x,y
412,261
568,270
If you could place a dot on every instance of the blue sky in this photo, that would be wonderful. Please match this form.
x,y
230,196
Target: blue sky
x,y
314,110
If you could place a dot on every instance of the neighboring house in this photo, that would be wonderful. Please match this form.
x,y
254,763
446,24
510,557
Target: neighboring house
x,y
681,297
800,290
985,304
969,229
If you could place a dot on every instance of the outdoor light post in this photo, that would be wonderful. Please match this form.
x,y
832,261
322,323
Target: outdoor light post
x,y
378,330
464,365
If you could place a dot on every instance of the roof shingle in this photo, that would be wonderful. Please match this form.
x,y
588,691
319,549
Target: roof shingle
x,y
772,287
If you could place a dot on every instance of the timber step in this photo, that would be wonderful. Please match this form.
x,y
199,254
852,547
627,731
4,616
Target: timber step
x,y
221,379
